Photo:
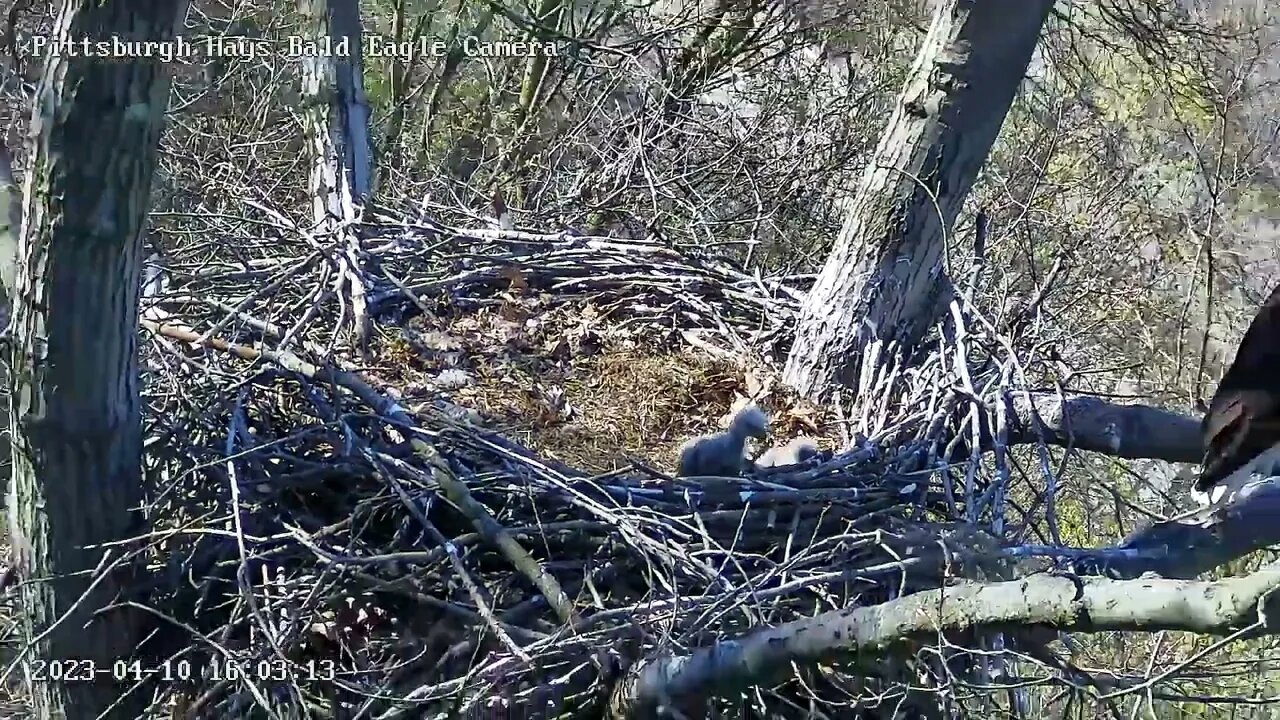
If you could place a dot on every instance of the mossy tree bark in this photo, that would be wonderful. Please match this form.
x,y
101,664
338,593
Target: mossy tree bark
x,y
884,279
75,402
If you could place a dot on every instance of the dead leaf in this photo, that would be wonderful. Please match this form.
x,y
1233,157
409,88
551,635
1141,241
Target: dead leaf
x,y
512,274
501,213
436,340
512,309
805,415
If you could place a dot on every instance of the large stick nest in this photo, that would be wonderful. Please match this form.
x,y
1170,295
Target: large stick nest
x,y
401,559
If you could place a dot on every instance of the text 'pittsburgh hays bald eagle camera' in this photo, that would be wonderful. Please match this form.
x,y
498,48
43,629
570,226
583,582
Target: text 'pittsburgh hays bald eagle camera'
x,y
1241,430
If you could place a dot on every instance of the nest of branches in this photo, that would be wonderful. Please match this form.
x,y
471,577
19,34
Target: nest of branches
x,y
331,545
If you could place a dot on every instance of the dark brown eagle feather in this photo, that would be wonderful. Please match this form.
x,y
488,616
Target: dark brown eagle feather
x,y
1243,420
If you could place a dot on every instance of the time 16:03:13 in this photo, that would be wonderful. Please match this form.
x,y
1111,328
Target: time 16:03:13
x,y
220,668
214,669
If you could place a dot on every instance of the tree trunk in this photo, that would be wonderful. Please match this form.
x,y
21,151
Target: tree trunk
x,y
884,277
77,430
336,121
549,14
11,220
334,85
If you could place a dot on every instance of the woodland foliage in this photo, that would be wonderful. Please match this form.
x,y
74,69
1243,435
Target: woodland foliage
x,y
575,257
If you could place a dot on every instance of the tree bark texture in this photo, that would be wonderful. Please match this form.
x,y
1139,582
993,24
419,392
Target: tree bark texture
x,y
339,111
11,219
336,122
1089,605
75,402
1085,422
884,275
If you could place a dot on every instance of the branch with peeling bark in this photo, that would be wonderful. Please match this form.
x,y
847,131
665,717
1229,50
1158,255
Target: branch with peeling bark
x,y
1093,605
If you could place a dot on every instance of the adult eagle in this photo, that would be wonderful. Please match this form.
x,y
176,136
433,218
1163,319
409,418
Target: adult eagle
x,y
1241,431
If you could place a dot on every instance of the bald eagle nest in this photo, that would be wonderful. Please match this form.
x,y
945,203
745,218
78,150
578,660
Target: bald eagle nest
x,y
417,564
322,549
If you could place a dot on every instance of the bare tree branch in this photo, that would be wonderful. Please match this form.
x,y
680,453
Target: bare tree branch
x,y
1090,423
1186,546
1093,605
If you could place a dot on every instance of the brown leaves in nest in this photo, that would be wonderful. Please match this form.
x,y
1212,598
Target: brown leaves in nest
x,y
801,416
439,341
348,628
550,405
791,415
399,353
517,285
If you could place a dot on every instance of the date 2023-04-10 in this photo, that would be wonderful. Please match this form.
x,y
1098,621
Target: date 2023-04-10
x,y
181,669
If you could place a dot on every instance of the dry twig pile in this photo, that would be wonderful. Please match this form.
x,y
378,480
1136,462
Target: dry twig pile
x,y
393,556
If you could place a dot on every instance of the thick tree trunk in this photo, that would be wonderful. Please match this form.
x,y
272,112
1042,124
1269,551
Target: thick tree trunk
x,y
884,277
336,121
334,86
11,222
77,432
